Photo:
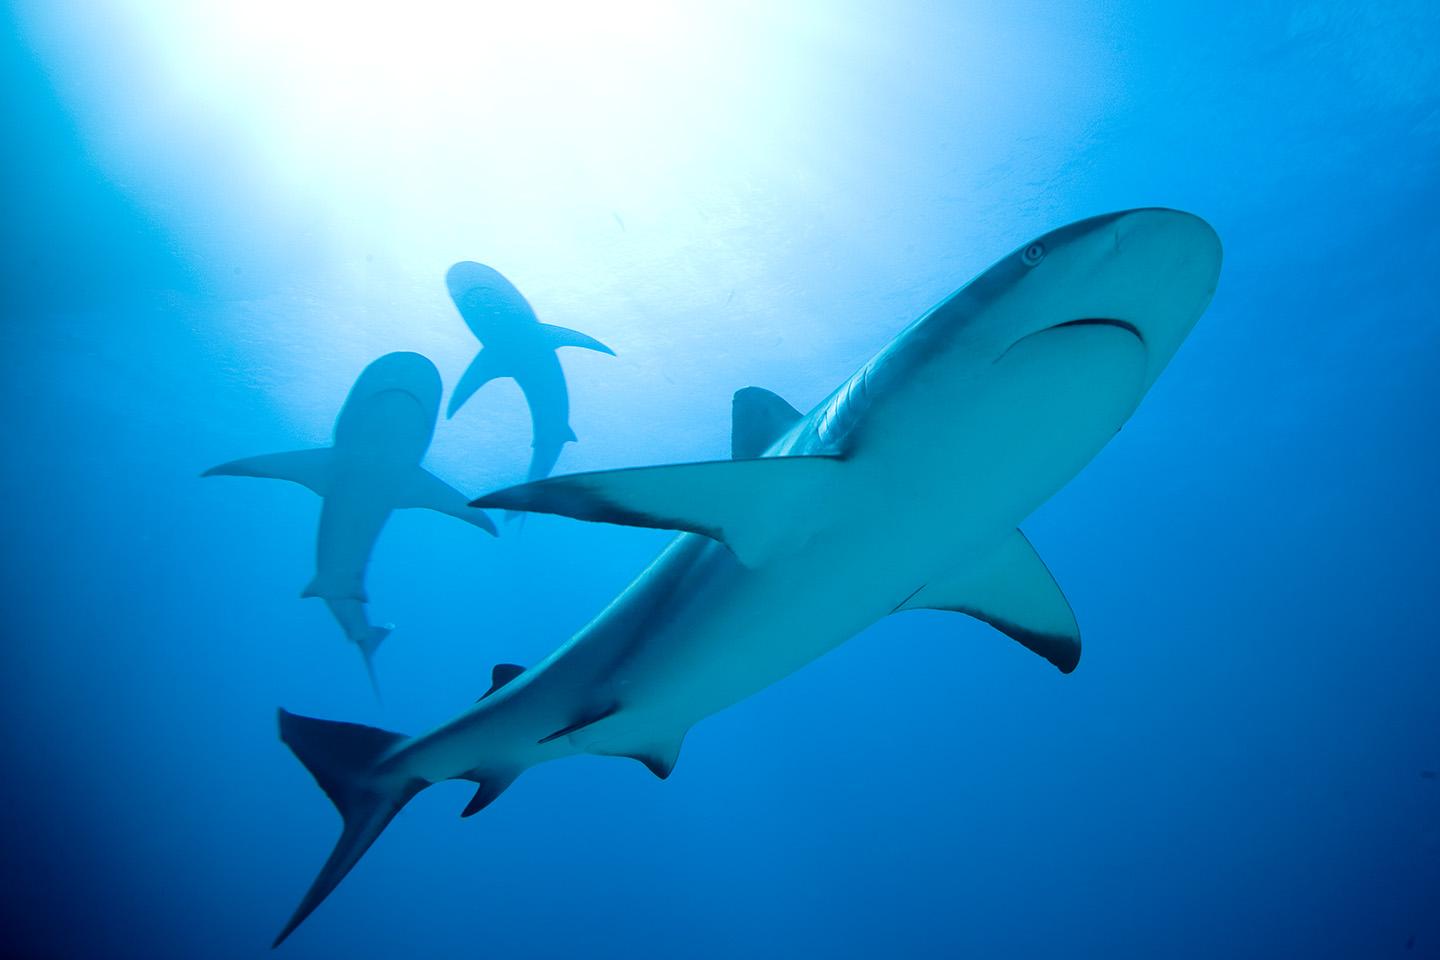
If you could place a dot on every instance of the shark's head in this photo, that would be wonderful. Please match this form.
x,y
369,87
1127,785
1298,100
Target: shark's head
x,y
396,397
483,296
1148,271
404,372
1151,270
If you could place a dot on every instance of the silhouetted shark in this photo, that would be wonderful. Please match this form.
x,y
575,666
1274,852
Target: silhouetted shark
x,y
372,468
902,490
516,344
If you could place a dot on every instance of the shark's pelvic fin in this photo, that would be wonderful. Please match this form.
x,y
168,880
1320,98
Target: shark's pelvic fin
x,y
658,755
331,586
565,337
757,419
1014,593
500,675
341,757
309,468
592,717
733,501
489,786
485,367
430,492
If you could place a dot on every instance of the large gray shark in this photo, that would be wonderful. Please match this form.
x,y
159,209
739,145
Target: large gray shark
x,y
901,490
372,468
516,344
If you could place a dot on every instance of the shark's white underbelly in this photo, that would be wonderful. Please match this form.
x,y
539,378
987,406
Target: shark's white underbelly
x,y
978,455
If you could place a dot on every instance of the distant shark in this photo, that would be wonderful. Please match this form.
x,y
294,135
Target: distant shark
x,y
516,344
902,490
372,468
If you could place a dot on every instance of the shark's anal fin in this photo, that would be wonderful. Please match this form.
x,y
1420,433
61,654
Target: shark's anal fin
x,y
425,490
565,337
581,724
757,419
737,502
485,367
1014,593
309,468
502,674
658,754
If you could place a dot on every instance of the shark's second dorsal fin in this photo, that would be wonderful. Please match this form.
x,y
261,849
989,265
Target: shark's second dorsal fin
x,y
1014,593
757,419
502,674
737,502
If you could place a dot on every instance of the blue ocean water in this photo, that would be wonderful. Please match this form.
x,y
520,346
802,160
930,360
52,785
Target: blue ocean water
x,y
215,217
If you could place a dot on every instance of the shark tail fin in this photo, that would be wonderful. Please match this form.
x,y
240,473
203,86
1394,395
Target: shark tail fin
x,y
342,759
368,643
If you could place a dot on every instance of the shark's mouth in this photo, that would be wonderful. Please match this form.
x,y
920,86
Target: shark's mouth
x,y
1125,325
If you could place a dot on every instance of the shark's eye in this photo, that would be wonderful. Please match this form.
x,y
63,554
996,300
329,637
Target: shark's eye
x,y
1033,254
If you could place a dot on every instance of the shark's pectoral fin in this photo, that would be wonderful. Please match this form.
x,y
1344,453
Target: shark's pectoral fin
x,y
658,754
309,468
502,674
738,502
1014,593
757,419
484,368
425,490
565,337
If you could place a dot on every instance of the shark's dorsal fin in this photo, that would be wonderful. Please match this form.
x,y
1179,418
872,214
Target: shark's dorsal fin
x,y
658,754
565,337
757,419
500,675
425,490
737,502
309,468
592,717
1014,593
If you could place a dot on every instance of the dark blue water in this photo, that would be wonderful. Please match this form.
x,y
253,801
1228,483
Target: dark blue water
x,y
209,231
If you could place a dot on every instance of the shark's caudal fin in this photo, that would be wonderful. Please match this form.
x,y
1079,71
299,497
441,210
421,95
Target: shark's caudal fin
x,y
342,757
368,644
350,615
309,468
